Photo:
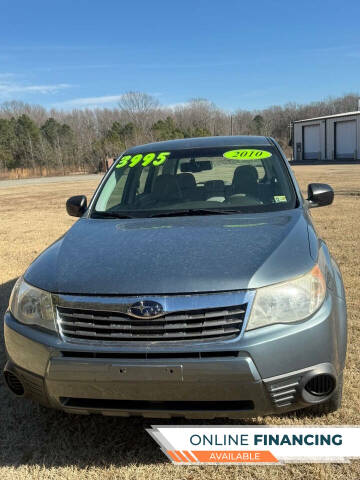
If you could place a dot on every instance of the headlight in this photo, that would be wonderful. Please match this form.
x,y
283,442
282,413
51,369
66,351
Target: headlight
x,y
288,302
32,306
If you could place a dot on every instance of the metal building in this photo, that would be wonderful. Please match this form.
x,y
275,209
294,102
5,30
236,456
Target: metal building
x,y
329,138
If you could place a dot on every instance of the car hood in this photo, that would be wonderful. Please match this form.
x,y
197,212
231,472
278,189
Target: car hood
x,y
175,255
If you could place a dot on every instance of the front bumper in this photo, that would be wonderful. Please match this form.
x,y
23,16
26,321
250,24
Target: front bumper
x,y
264,372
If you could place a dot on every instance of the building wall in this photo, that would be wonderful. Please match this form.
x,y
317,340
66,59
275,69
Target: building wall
x,y
299,138
327,137
330,126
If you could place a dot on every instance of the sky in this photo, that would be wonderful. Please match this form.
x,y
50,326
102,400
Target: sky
x,y
237,54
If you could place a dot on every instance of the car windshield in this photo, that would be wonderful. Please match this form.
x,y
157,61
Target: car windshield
x,y
196,181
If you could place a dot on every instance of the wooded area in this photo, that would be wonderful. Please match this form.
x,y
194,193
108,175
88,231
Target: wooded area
x,y
39,140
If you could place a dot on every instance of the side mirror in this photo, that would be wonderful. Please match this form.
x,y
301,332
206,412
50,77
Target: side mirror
x,y
319,195
76,206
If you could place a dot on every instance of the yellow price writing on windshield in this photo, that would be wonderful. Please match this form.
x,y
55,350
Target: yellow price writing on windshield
x,y
155,159
247,154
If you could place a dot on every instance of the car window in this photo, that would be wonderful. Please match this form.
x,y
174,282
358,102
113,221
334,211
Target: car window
x,y
237,178
227,171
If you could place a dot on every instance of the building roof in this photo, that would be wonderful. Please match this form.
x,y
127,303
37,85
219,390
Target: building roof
x,y
329,116
202,142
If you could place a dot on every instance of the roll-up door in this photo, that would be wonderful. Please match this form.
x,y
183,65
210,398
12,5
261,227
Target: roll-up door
x,y
345,139
312,149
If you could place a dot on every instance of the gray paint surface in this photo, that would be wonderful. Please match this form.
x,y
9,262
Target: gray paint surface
x,y
175,255
202,142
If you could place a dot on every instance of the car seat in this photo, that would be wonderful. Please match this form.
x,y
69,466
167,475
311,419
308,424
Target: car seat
x,y
166,189
188,187
245,180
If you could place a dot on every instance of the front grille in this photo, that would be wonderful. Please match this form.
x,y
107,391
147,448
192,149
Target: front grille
x,y
112,326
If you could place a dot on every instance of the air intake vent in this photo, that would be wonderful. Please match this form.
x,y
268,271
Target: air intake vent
x,y
320,385
150,355
283,392
152,405
14,383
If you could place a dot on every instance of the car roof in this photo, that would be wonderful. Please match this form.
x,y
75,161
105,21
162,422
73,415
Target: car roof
x,y
202,142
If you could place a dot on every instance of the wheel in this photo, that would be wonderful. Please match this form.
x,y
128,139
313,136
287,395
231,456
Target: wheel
x,y
334,402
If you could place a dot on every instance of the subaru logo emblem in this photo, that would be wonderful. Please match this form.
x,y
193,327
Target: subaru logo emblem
x,y
146,309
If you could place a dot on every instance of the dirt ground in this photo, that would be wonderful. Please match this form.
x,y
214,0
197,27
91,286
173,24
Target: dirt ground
x,y
53,445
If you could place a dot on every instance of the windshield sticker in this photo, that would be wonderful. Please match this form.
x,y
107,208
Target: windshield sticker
x,y
280,198
246,154
155,159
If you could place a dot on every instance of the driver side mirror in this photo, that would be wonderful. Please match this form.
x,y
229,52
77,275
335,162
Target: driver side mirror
x,y
319,195
76,206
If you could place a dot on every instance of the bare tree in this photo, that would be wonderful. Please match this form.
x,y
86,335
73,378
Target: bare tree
x,y
140,109
138,102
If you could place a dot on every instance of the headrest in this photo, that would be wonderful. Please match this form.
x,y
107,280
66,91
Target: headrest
x,y
214,186
186,181
245,178
166,188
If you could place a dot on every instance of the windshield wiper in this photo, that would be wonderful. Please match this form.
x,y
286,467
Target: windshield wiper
x,y
110,215
193,211
173,213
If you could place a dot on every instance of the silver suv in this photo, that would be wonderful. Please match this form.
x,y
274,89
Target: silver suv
x,y
194,284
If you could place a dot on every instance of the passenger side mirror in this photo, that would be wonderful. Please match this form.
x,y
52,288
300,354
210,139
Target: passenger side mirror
x,y
319,195
76,206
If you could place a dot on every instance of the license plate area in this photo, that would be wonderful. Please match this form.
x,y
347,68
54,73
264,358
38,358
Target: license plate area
x,y
138,373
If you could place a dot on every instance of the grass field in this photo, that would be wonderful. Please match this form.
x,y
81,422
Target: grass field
x,y
53,445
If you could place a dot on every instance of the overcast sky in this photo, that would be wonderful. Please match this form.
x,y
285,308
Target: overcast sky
x,y
238,54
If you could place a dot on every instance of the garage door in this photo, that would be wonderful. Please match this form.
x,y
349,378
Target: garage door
x,y
345,139
312,142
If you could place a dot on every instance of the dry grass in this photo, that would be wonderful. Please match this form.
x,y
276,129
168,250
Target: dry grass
x,y
50,444
16,173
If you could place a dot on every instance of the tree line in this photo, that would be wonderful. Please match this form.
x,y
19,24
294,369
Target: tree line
x,y
32,137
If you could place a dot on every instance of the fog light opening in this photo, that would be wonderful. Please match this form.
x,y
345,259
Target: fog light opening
x,y
320,385
14,383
